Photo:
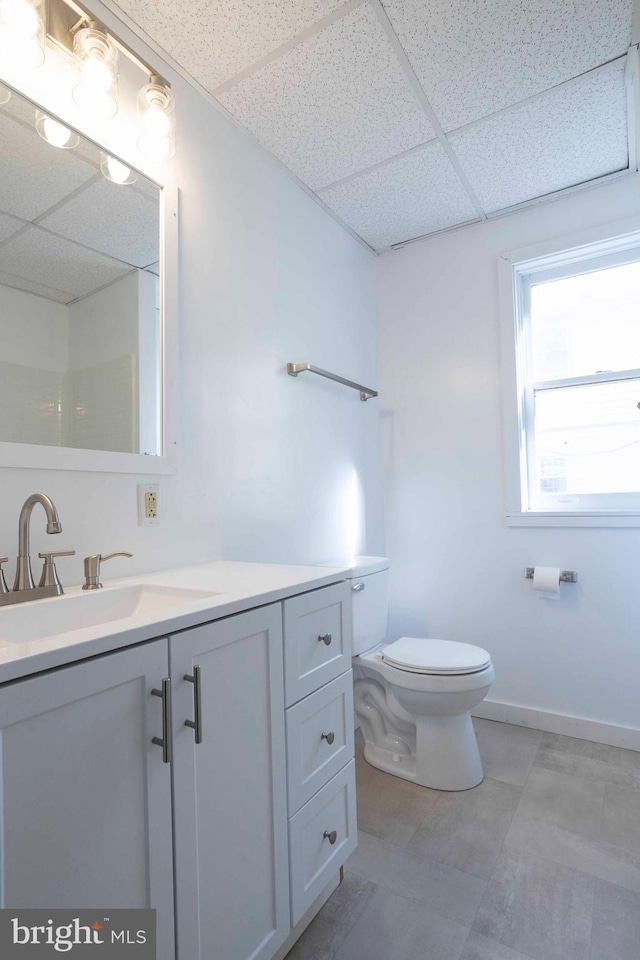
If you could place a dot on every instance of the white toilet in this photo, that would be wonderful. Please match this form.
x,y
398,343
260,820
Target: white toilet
x,y
413,697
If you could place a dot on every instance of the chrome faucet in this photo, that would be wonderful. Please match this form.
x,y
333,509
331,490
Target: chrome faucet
x,y
24,577
24,587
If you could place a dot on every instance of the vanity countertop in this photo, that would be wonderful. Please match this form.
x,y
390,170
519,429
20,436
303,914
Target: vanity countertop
x,y
224,587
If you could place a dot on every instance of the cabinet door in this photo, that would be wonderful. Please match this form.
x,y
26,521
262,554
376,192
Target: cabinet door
x,y
232,882
85,799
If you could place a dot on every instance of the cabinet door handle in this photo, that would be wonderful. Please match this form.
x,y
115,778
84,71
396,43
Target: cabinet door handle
x,y
357,587
165,742
325,638
330,836
329,737
195,679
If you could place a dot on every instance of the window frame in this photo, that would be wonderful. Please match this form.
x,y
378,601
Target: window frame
x,y
612,245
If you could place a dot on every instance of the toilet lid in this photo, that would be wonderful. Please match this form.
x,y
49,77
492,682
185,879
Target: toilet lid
x,y
419,655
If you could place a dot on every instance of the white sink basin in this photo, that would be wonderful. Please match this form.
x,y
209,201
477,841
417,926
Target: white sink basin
x,y
26,622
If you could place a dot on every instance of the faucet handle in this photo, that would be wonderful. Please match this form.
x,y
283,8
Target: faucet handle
x,y
49,577
92,568
3,583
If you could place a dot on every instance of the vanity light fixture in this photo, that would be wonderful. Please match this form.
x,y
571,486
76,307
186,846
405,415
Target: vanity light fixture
x,y
116,171
55,133
22,33
156,108
96,90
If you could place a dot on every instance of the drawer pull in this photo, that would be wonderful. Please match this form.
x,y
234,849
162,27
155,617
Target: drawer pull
x,y
325,638
330,836
357,587
165,741
196,724
329,737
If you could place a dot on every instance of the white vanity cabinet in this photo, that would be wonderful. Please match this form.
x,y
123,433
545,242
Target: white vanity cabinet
x,y
156,776
85,799
232,892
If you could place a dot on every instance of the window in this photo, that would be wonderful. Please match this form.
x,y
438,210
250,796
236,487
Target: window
x,y
577,372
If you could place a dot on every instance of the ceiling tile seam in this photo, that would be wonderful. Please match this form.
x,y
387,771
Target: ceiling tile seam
x,y
535,96
49,286
311,31
562,193
67,197
427,236
104,286
167,60
426,104
516,208
12,236
77,243
475,123
632,81
378,165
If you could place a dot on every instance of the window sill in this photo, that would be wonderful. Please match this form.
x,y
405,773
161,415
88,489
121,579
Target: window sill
x,y
533,519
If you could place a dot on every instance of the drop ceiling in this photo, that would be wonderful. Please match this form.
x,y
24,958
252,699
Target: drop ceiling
x,y
407,117
65,231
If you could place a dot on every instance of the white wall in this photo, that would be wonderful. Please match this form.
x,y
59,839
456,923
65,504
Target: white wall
x,y
457,570
33,361
33,330
267,469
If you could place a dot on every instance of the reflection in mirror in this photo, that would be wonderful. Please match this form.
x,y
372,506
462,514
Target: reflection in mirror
x,y
80,330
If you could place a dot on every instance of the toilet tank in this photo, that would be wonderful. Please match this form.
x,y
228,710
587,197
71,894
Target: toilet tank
x,y
369,578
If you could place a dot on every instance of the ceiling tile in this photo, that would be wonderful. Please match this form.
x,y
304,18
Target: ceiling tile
x,y
567,136
9,226
29,286
35,175
116,220
45,258
216,39
407,197
333,105
474,58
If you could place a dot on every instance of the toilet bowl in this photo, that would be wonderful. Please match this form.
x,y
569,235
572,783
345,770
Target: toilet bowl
x,y
414,697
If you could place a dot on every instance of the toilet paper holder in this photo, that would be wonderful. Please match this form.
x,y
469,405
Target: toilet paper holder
x,y
566,576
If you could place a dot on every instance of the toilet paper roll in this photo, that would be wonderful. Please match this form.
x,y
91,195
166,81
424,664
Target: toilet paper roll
x,y
546,582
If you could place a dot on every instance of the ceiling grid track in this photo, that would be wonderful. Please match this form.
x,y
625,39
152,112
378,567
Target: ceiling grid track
x,y
426,105
311,31
484,210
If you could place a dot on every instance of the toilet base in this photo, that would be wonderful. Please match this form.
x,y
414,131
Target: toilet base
x,y
446,758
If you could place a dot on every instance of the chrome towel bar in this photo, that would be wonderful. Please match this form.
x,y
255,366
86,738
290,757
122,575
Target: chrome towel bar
x,y
293,369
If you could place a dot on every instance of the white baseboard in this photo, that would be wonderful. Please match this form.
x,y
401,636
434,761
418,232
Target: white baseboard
x,y
580,727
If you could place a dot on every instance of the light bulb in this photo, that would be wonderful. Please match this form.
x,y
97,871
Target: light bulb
x,y
22,35
96,90
5,94
116,171
55,133
157,119
97,74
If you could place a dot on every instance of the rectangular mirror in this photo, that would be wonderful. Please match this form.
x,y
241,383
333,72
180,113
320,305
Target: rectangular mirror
x,y
81,330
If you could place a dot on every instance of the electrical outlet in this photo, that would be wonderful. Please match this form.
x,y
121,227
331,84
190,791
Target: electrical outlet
x,y
148,504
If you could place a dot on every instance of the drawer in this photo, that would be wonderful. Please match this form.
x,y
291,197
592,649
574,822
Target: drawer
x,y
314,859
317,639
319,739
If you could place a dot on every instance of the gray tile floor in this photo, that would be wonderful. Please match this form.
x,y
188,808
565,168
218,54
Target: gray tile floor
x,y
539,862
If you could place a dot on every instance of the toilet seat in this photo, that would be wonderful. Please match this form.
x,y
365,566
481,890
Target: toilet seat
x,y
435,657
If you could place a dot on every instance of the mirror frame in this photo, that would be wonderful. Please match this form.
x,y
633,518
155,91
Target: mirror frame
x,y
43,457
